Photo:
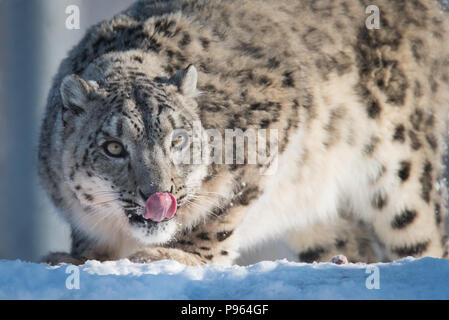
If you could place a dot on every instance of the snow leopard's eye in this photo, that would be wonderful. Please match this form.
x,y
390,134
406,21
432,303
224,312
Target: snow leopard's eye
x,y
114,149
179,140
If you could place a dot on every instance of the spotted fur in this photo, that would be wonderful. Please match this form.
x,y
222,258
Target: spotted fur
x,y
360,114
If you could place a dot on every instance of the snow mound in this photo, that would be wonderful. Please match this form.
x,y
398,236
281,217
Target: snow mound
x,y
409,278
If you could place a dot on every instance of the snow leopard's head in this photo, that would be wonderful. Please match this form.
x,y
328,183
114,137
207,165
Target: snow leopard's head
x,y
129,141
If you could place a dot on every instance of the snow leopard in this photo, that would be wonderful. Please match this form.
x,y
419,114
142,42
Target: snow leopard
x,y
354,93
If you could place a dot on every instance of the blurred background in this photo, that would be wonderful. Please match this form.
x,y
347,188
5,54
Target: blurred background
x,y
33,41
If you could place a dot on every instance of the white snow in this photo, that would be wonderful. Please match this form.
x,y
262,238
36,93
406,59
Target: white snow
x,y
409,278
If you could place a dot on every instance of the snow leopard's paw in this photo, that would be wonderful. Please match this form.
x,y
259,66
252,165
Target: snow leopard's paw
x,y
155,254
339,259
60,258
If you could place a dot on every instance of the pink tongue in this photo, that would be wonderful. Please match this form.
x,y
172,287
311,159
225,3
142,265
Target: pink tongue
x,y
160,206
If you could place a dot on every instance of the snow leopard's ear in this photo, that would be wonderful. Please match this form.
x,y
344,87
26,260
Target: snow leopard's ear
x,y
185,80
75,95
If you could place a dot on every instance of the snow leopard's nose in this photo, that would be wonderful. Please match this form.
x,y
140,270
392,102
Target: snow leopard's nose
x,y
145,196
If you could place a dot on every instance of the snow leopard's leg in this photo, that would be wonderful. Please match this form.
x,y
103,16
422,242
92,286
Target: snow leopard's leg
x,y
206,243
58,258
210,242
409,219
407,201
344,235
82,249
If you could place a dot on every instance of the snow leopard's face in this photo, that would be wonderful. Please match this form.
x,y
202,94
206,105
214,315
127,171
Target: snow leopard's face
x,y
127,153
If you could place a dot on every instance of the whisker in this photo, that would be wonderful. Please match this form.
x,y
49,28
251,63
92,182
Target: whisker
x,y
205,199
104,202
202,208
